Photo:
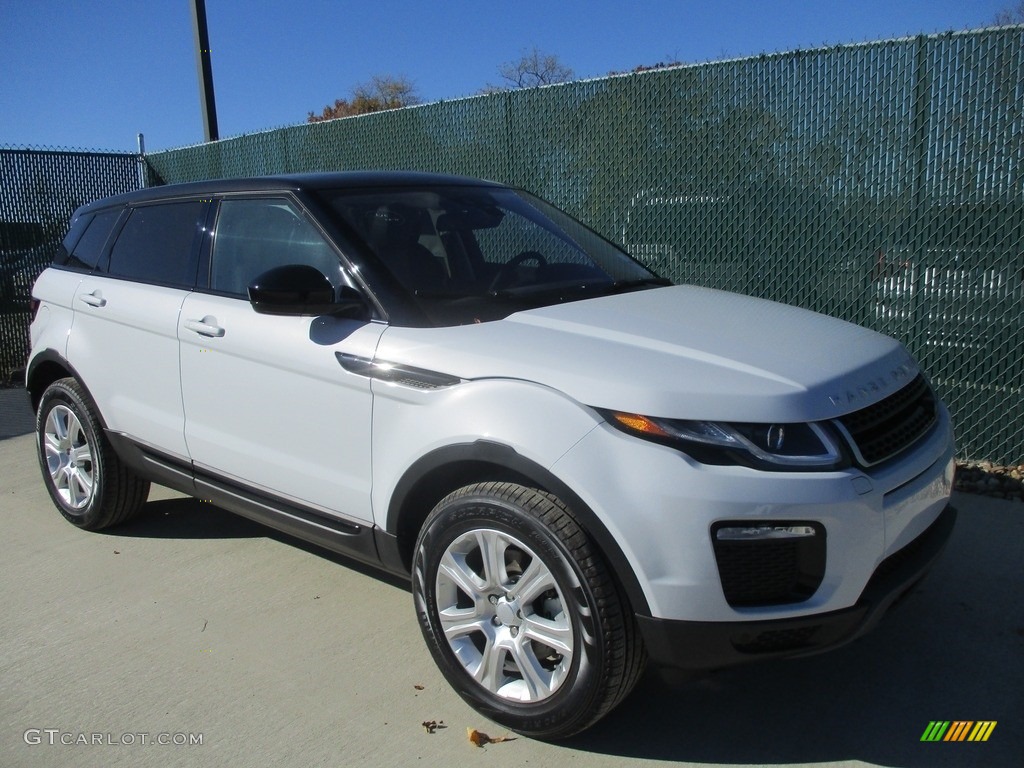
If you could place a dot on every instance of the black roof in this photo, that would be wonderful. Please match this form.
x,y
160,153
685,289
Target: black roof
x,y
293,182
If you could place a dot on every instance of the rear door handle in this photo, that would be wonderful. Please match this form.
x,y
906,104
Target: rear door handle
x,y
94,299
205,327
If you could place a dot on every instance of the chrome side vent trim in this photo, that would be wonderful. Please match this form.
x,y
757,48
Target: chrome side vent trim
x,y
418,378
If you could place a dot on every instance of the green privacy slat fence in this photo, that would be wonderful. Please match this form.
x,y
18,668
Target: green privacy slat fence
x,y
879,182
39,190
883,183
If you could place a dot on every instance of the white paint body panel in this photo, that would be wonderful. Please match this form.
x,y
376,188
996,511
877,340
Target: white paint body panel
x,y
126,351
681,352
52,324
269,405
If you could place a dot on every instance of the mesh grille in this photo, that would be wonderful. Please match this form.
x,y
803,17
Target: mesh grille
x,y
770,571
887,428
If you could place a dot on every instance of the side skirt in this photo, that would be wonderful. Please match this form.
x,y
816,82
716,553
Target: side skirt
x,y
343,537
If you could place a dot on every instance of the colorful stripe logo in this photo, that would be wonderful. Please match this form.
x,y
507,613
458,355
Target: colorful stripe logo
x,y
959,730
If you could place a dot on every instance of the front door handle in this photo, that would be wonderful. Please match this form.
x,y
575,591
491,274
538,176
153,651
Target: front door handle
x,y
205,327
94,299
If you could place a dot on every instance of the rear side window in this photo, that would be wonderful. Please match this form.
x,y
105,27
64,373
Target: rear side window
x,y
82,250
157,244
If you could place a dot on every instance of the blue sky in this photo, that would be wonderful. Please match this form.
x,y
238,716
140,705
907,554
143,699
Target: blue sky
x,y
94,73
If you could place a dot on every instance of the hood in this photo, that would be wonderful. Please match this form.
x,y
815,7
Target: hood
x,y
678,352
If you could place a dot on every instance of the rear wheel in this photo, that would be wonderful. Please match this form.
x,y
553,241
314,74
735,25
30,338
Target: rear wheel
x,y
86,480
520,611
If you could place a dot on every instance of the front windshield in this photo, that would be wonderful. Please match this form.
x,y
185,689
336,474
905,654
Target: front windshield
x,y
471,254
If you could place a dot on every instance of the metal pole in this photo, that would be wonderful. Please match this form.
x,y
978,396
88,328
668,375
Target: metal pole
x,y
205,70
142,161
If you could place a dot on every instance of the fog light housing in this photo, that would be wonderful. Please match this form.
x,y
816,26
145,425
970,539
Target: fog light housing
x,y
769,562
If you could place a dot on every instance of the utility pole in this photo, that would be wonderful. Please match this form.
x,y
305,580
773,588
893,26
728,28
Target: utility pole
x,y
205,70
142,161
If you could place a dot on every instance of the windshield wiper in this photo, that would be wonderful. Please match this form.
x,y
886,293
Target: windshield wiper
x,y
577,290
533,292
643,282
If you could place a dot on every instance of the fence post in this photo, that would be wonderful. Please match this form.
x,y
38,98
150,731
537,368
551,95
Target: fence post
x,y
921,115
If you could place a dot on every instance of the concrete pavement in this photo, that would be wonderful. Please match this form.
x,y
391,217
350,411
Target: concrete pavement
x,y
190,623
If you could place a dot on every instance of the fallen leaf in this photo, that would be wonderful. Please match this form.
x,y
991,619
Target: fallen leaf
x,y
480,738
431,726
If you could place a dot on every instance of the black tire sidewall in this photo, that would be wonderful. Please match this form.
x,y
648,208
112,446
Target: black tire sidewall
x,y
578,694
64,393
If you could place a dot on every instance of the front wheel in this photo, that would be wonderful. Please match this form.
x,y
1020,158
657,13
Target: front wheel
x,y
520,611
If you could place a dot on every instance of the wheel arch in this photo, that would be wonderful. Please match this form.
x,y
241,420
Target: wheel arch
x,y
447,469
47,367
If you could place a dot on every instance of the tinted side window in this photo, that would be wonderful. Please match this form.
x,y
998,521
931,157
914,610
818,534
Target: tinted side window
x,y
156,244
78,226
256,235
82,250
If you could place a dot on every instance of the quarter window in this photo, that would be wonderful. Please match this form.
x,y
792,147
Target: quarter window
x,y
85,254
254,235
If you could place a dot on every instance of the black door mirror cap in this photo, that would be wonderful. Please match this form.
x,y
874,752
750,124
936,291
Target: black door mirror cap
x,y
301,290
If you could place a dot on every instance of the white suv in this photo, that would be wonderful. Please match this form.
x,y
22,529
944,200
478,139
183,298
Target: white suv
x,y
578,464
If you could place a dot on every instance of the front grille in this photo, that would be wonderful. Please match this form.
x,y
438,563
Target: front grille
x,y
770,571
892,425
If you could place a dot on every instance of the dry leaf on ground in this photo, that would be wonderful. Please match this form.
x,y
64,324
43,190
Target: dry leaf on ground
x,y
480,739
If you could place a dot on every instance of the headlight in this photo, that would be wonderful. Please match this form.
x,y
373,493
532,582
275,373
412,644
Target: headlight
x,y
775,447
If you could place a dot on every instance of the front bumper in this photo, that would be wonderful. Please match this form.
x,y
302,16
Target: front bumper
x,y
696,645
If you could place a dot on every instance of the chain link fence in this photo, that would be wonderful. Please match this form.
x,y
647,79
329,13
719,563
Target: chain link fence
x,y
882,183
39,190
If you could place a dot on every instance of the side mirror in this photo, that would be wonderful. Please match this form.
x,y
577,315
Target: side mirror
x,y
299,289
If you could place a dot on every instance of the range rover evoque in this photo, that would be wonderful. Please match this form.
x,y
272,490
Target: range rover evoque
x,y
577,464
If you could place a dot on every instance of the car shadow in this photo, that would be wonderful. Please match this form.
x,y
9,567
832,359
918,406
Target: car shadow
x,y
952,650
16,416
189,518
867,703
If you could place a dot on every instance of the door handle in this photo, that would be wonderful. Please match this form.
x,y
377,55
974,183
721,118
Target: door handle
x,y
94,299
205,327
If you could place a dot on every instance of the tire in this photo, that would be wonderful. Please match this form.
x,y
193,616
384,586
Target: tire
x,y
521,613
87,481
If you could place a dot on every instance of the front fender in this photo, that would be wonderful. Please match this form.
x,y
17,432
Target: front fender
x,y
461,437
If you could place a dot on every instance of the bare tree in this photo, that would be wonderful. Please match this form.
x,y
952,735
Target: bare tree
x,y
532,69
1011,15
671,62
381,92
